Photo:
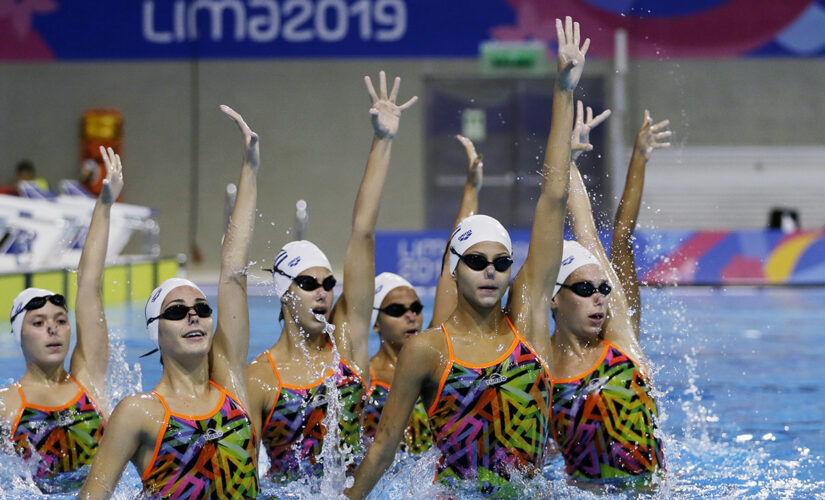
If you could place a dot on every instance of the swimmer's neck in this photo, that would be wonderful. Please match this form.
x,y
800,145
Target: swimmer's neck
x,y
37,373
466,318
387,355
294,341
566,343
180,377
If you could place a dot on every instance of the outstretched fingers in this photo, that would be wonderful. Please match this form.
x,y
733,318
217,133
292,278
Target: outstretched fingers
x,y
370,89
409,103
595,122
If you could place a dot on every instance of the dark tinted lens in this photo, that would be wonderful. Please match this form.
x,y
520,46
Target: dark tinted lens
x,y
329,283
35,303
583,288
202,309
176,312
502,264
307,283
395,310
398,310
475,261
58,300
586,288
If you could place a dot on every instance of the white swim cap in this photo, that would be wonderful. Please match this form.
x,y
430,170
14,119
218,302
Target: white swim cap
x,y
573,257
475,229
19,304
155,302
294,258
384,284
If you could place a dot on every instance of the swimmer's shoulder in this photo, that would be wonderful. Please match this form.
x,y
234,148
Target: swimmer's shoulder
x,y
10,403
428,347
142,413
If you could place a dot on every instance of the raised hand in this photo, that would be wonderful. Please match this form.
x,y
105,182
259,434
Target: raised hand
x,y
570,56
385,113
649,136
580,141
475,168
113,183
252,153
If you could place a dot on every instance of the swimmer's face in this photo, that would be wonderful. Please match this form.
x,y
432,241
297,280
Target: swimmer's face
x,y
46,334
582,316
483,288
396,331
305,307
190,335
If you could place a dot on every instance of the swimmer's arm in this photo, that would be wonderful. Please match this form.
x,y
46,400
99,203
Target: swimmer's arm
x,y
621,248
359,264
534,283
445,291
231,344
618,327
119,444
89,362
415,363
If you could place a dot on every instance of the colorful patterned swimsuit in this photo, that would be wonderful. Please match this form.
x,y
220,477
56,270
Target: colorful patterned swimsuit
x,y
212,456
418,437
490,419
65,438
293,433
604,420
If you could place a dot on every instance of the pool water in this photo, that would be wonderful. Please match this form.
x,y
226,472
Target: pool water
x,y
737,374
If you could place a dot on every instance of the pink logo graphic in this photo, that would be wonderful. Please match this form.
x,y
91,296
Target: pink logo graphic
x,y
18,39
730,29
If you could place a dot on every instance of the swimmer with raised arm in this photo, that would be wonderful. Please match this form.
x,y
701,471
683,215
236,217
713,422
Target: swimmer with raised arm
x,y
603,415
51,415
482,374
191,436
396,317
287,387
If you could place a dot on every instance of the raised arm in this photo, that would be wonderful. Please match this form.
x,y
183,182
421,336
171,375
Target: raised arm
x,y
90,359
119,444
415,363
445,291
533,285
230,346
354,309
621,249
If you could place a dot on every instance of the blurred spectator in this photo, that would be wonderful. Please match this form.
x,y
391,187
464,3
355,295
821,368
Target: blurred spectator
x,y
24,171
786,219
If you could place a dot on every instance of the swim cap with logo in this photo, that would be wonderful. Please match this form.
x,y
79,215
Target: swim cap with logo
x,y
19,304
155,302
384,284
573,257
475,229
294,258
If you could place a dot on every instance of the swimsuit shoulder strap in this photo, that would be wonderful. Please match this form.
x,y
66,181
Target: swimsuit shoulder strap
x,y
274,369
89,395
449,342
22,396
526,344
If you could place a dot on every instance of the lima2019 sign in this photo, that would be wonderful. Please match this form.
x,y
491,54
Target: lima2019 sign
x,y
178,29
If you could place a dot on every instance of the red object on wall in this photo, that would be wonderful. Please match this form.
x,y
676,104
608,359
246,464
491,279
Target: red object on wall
x,y
99,127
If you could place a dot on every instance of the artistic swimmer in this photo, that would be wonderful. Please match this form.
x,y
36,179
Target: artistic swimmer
x,y
323,344
604,416
55,418
483,355
191,436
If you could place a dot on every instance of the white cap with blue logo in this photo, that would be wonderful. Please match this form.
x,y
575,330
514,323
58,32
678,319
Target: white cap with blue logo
x,y
384,284
155,302
573,257
475,229
294,258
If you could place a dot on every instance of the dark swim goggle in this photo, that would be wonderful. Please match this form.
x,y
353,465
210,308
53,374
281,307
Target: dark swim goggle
x,y
478,262
180,311
397,310
38,302
586,288
308,283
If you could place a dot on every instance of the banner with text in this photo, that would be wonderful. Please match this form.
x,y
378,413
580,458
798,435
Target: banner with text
x,y
226,29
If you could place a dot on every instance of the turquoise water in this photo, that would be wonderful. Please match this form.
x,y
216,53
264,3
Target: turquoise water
x,y
738,375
